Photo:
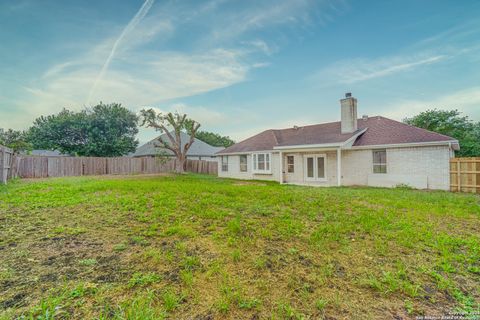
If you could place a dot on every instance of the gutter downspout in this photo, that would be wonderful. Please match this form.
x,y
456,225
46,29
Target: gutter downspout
x,y
339,167
280,154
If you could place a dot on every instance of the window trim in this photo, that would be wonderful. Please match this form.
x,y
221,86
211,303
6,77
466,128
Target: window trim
x,y
379,164
266,163
291,165
224,164
245,169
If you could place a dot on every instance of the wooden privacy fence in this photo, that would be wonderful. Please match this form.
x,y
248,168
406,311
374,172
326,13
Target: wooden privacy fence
x,y
6,157
44,167
465,175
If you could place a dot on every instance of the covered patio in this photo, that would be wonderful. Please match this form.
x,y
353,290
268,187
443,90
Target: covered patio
x,y
311,166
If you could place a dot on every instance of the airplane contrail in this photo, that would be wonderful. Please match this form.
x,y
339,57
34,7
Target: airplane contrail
x,y
130,26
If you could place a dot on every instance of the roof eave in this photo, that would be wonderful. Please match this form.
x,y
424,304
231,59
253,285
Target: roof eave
x,y
450,143
309,146
242,152
343,144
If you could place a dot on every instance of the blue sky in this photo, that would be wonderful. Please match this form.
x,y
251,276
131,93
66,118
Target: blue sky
x,y
239,66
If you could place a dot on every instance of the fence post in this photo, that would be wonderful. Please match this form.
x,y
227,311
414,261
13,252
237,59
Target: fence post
x,y
459,180
6,156
3,179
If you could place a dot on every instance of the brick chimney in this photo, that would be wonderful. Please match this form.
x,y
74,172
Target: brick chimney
x,y
349,113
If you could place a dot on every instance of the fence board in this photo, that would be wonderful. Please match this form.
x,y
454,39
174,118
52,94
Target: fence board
x,y
44,166
6,159
465,175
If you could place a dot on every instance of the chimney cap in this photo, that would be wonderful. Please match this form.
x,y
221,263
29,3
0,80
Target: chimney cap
x,y
365,117
348,95
295,127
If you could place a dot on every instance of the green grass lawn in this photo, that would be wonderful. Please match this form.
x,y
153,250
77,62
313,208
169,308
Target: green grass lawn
x,y
199,247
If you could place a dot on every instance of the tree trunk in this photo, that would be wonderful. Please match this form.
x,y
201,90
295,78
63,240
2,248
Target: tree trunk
x,y
180,164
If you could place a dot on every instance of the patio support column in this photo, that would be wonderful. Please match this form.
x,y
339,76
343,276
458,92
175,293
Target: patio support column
x,y
339,167
280,156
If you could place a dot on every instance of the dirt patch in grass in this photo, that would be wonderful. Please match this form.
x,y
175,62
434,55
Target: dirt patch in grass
x,y
53,261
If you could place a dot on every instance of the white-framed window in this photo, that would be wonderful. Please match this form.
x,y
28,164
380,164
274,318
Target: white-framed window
x,y
224,163
243,163
290,164
261,162
380,161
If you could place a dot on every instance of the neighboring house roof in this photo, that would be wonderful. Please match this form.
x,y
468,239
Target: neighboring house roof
x,y
372,131
48,153
198,148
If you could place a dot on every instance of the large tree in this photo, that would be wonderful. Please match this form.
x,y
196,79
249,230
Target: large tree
x,y
113,131
453,124
172,124
14,139
102,131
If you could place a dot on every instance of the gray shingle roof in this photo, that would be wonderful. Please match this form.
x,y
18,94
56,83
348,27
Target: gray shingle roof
x,y
48,153
198,148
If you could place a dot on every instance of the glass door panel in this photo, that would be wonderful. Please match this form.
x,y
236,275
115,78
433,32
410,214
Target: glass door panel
x,y
310,168
320,167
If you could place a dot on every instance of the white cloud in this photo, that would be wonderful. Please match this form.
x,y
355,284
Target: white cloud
x,y
147,5
140,72
272,13
209,119
459,33
204,116
152,79
257,125
262,46
268,14
356,70
454,43
466,101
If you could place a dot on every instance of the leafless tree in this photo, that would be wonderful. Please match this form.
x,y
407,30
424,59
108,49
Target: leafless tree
x,y
172,124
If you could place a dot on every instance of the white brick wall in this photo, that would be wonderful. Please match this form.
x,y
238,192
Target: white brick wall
x,y
404,165
356,166
433,162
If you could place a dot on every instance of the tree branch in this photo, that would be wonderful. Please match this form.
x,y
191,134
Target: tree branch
x,y
170,137
165,145
195,128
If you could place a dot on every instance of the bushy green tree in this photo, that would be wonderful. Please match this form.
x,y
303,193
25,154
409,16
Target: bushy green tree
x,y
453,124
112,130
214,139
106,130
14,139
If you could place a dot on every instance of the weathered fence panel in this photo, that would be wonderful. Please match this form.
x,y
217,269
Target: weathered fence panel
x,y
465,175
202,166
44,167
6,159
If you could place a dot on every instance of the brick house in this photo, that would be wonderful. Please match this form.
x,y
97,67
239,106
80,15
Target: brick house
x,y
371,151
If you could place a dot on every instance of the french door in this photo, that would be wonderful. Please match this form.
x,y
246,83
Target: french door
x,y
315,168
